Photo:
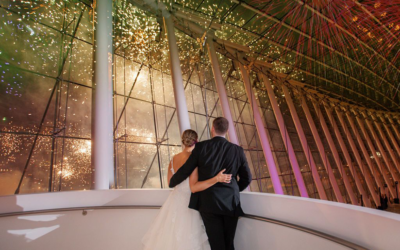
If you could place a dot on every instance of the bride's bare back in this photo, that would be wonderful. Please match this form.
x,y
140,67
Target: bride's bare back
x,y
177,162
180,159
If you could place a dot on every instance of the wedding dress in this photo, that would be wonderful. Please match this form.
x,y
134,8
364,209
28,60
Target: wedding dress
x,y
177,227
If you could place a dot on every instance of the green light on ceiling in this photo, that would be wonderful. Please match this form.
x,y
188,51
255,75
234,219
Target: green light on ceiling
x,y
4,119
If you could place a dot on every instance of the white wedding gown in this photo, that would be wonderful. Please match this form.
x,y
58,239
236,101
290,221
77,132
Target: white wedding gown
x,y
177,227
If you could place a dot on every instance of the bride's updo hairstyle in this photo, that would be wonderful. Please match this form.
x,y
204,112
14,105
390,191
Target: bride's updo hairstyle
x,y
189,138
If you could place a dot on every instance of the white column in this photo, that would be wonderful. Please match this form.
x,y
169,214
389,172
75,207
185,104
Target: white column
x,y
102,110
287,142
392,138
223,98
177,81
303,140
356,176
273,172
375,156
387,144
321,150
335,154
346,154
364,151
385,157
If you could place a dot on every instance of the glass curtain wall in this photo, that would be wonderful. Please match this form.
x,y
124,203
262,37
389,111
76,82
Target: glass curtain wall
x,y
46,103
45,67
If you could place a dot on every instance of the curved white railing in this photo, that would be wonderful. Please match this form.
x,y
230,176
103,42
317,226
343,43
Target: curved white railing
x,y
100,220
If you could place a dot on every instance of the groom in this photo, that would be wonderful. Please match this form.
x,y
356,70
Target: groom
x,y
219,205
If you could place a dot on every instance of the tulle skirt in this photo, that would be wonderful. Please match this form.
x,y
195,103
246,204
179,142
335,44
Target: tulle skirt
x,y
176,227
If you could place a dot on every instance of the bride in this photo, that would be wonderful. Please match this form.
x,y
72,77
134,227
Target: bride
x,y
177,227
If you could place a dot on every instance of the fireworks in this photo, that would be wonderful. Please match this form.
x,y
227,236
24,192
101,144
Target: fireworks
x,y
48,45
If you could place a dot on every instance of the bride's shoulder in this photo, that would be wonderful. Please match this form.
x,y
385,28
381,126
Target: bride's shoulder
x,y
177,157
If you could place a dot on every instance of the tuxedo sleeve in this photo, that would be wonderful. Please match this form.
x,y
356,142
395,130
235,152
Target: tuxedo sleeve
x,y
244,172
186,169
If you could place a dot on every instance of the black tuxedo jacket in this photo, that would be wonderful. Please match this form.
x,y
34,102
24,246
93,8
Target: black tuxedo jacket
x,y
211,157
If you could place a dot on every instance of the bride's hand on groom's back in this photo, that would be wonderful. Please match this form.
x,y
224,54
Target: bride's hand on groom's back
x,y
225,178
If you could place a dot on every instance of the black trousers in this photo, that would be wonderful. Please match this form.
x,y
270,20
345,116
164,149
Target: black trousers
x,y
220,230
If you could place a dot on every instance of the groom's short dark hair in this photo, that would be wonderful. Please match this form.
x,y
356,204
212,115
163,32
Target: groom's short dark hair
x,y
221,125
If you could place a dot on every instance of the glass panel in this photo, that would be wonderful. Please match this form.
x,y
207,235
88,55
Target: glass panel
x,y
46,72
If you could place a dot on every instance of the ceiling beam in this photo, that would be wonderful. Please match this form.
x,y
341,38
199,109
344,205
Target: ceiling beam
x,y
315,60
345,31
196,32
